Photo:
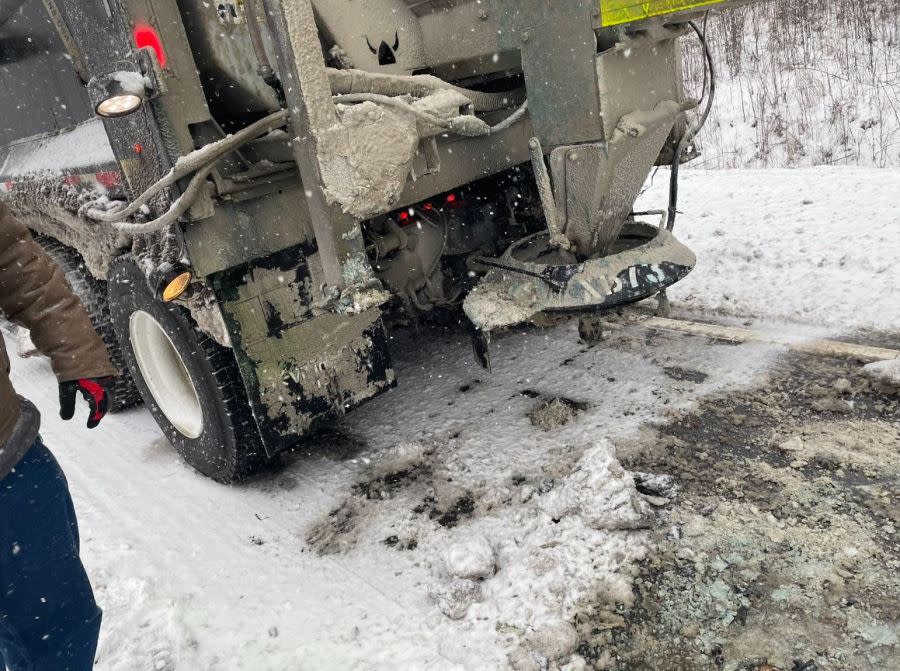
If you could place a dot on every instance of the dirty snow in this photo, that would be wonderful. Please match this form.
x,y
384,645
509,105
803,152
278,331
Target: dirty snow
x,y
225,578
600,493
786,521
471,558
371,548
887,372
84,147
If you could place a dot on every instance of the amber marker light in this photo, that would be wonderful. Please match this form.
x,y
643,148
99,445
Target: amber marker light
x,y
176,286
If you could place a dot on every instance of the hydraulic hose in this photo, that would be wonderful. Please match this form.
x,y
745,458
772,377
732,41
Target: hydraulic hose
x,y
179,207
350,86
380,99
691,133
264,68
466,125
360,81
511,119
198,160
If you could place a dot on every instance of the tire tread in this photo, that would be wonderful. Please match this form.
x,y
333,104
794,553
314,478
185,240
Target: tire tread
x,y
92,293
221,380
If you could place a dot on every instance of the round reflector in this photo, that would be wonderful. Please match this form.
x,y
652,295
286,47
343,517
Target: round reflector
x,y
119,105
176,286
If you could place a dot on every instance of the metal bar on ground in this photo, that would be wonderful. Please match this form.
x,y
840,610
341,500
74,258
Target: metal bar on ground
x,y
820,347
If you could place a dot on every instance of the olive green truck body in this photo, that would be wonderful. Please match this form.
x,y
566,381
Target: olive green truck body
x,y
318,166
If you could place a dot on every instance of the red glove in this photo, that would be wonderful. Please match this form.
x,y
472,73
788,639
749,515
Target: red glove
x,y
95,392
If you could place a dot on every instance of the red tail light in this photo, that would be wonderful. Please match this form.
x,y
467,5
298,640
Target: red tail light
x,y
145,35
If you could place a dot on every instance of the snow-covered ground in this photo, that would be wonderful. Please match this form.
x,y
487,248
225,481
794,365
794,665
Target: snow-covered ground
x,y
344,559
813,245
802,83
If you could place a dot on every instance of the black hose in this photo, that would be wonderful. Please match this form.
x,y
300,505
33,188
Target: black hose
x,y
264,68
691,133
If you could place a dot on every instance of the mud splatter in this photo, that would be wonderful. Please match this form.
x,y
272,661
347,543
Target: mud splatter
x,y
786,522
556,412
337,531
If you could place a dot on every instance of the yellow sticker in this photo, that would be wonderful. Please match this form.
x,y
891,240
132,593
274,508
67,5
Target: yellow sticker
x,y
616,12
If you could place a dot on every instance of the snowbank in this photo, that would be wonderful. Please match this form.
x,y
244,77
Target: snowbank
x,y
818,246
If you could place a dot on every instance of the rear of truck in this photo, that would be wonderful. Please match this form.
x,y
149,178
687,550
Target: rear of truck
x,y
262,185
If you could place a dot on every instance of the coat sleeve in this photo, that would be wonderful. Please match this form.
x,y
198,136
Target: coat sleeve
x,y
34,293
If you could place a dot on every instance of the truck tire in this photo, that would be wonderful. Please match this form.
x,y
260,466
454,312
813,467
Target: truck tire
x,y
92,293
190,383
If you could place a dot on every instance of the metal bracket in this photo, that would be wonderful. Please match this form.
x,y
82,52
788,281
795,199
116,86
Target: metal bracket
x,y
545,191
308,94
559,48
481,341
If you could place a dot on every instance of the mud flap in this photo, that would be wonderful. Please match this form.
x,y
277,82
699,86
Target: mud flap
x,y
300,367
517,286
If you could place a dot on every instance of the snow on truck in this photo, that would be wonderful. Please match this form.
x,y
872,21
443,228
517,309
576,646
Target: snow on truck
x,y
246,194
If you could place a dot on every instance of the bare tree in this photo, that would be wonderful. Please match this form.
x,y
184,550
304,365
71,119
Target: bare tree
x,y
803,83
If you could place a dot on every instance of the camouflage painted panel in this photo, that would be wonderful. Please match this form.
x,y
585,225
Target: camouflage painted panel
x,y
300,366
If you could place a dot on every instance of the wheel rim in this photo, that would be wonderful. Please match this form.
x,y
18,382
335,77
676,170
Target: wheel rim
x,y
165,374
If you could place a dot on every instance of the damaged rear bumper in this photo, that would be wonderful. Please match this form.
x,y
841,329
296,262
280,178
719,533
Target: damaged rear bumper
x,y
516,288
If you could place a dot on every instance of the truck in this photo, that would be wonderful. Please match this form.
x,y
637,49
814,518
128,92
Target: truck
x,y
249,194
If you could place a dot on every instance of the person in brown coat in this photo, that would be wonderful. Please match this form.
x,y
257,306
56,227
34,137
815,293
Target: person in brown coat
x,y
48,617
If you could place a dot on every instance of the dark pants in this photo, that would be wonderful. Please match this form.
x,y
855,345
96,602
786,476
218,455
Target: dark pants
x,y
48,618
